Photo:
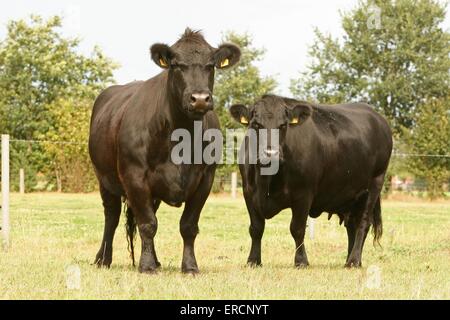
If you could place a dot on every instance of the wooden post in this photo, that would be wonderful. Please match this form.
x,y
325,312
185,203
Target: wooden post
x,y
21,181
5,189
311,223
233,184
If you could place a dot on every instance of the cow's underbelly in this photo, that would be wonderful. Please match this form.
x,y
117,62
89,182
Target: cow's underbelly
x,y
340,203
170,183
174,184
338,199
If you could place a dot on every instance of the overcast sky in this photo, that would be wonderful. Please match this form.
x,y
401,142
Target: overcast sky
x,y
126,29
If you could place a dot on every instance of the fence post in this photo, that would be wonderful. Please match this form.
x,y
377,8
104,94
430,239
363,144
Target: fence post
x,y
5,189
233,184
311,223
21,181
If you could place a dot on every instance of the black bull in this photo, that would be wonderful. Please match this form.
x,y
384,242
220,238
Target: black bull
x,y
332,159
130,145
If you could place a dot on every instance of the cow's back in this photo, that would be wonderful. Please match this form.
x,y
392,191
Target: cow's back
x,y
358,127
107,114
337,152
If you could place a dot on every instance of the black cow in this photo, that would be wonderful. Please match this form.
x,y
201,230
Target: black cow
x,y
332,158
130,145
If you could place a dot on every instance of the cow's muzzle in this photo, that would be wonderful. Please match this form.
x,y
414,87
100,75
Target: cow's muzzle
x,y
271,153
201,102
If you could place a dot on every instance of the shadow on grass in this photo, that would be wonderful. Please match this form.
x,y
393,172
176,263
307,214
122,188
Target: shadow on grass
x,y
212,270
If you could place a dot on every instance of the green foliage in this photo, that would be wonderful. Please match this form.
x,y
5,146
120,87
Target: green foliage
x,y
242,84
70,161
431,135
394,55
39,66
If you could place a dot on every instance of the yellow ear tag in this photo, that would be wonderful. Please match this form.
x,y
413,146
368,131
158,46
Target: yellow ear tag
x,y
225,62
244,120
294,121
163,63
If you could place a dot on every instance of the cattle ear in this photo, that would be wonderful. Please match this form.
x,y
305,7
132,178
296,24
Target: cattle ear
x,y
226,55
161,55
299,113
240,113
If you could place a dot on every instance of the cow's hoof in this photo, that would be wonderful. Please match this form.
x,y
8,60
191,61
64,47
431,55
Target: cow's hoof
x,y
353,264
190,271
254,264
150,271
101,262
301,265
158,265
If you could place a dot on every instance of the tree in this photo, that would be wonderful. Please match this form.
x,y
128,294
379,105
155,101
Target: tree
x,y
431,136
69,159
394,55
242,84
39,66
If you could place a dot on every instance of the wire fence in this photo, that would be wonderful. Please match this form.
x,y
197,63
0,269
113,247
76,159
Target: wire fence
x,y
223,181
394,154
48,141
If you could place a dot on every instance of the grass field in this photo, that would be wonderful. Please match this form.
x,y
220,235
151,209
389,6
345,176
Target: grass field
x,y
55,235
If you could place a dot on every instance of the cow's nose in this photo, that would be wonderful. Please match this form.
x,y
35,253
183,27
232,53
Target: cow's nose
x,y
201,101
271,153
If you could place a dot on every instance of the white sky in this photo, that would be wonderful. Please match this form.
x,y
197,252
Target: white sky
x,y
126,29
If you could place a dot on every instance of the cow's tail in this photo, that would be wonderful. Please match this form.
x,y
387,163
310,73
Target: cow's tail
x,y
377,222
131,230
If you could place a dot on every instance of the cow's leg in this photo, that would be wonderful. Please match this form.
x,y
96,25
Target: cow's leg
x,y
189,222
147,226
366,232
257,224
298,229
364,221
156,204
112,207
140,199
350,225
354,257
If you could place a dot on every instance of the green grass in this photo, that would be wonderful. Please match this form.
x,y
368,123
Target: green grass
x,y
51,232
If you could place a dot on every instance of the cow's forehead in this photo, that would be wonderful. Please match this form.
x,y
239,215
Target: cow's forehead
x,y
270,108
193,52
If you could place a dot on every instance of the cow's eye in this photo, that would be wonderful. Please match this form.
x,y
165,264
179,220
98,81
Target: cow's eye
x,y
209,66
256,125
179,66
